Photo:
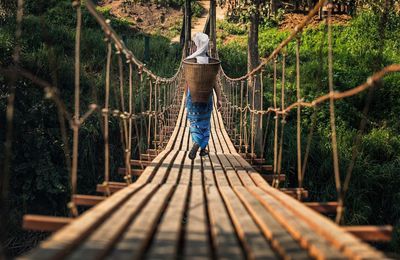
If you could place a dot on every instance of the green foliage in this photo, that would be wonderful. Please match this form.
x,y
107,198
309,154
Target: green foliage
x,y
233,56
360,49
197,9
231,28
39,181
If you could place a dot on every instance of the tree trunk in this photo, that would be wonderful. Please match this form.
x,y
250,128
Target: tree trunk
x,y
213,27
253,60
188,26
273,5
183,31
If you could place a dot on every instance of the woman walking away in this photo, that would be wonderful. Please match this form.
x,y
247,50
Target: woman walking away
x,y
199,113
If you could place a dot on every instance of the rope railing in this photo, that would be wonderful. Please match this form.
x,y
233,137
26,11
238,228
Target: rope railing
x,y
239,106
159,98
143,103
153,108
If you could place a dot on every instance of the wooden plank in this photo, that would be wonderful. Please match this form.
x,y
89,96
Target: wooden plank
x,y
175,170
185,134
217,144
221,127
197,244
323,207
282,242
197,175
263,168
371,233
103,238
186,172
139,163
211,146
134,172
256,161
148,172
248,156
222,141
297,193
44,223
255,176
167,237
112,188
241,171
152,151
255,244
229,171
350,245
270,177
148,157
218,171
63,241
190,143
87,200
185,142
162,171
118,184
226,243
317,246
209,179
138,234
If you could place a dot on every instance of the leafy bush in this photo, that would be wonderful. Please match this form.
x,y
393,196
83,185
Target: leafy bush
x,y
231,28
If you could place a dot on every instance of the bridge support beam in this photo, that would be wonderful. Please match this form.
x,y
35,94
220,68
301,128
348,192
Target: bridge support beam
x,y
371,233
325,208
44,223
87,200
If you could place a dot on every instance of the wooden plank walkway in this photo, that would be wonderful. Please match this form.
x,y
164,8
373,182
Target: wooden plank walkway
x,y
213,207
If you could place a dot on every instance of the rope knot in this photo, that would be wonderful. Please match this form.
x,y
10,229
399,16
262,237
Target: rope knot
x,y
118,49
106,185
75,122
48,93
76,3
104,111
370,81
115,112
73,209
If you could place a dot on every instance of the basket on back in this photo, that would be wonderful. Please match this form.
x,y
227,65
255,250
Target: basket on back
x,y
201,78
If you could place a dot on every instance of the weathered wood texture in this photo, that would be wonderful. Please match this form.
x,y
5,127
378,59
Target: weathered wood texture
x,y
216,207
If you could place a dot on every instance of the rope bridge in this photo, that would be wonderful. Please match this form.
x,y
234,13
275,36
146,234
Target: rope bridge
x,y
217,206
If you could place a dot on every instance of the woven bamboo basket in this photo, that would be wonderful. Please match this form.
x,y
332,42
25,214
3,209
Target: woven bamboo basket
x,y
201,78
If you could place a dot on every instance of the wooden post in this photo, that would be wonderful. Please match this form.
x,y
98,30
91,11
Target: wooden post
x,y
188,26
213,27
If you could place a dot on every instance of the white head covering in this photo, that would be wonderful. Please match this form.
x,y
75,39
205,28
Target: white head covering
x,y
201,40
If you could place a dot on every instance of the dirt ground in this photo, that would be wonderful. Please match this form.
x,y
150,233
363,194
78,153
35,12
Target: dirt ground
x,y
291,20
166,21
149,18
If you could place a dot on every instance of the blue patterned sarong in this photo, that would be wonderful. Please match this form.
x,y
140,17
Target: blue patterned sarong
x,y
199,115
